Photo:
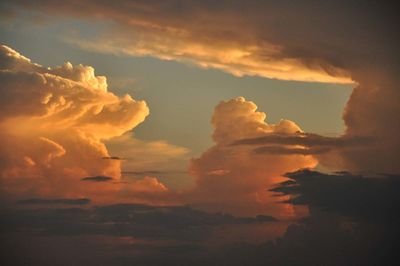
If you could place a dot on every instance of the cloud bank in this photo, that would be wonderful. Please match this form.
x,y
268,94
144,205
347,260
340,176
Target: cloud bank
x,y
234,36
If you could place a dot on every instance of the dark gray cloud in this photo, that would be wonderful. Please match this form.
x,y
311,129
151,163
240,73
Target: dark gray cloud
x,y
353,221
324,148
98,178
112,158
372,198
134,220
324,238
307,139
39,201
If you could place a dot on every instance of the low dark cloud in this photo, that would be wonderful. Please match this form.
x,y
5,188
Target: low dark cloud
x,y
324,238
134,220
307,139
328,150
112,158
359,196
39,201
353,221
98,178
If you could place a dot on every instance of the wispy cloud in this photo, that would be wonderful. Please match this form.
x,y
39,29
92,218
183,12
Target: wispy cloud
x,y
99,178
42,201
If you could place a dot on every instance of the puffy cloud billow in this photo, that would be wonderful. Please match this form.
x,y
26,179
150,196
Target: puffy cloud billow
x,y
234,178
53,122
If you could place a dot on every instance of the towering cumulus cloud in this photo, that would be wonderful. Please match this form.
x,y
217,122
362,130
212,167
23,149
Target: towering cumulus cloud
x,y
331,41
235,178
374,111
52,124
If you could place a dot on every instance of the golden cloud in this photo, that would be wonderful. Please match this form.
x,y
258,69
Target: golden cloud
x,y
53,125
234,178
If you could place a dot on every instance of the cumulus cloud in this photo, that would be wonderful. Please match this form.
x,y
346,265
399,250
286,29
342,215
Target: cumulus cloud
x,y
340,42
148,184
53,124
236,179
67,127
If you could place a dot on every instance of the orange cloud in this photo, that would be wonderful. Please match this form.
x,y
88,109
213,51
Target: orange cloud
x,y
207,35
53,124
235,179
237,60
139,155
271,40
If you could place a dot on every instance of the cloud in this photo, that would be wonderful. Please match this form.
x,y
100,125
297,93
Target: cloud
x,y
372,198
148,184
143,155
140,173
53,125
210,39
98,178
112,158
136,220
234,178
282,150
174,235
328,150
271,40
306,139
38,201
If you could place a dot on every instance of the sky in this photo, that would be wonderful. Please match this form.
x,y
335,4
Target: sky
x,y
198,132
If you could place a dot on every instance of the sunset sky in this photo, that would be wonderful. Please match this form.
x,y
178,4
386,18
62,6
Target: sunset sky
x,y
199,132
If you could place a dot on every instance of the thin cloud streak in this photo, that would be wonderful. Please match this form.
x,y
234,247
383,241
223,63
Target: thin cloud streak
x,y
99,178
40,201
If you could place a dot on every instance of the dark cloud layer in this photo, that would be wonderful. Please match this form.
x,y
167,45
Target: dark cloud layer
x,y
372,198
327,237
39,201
306,144
98,178
306,139
112,158
142,221
353,221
